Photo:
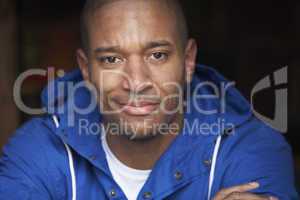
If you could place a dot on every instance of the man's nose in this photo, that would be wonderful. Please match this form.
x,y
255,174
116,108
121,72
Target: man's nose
x,y
138,75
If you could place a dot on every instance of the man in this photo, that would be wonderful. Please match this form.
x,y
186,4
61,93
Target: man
x,y
138,65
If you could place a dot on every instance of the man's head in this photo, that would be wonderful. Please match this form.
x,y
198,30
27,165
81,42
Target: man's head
x,y
137,55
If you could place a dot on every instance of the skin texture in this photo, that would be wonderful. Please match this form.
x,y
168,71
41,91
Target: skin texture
x,y
135,49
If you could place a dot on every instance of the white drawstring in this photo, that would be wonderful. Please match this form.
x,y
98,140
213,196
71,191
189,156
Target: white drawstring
x,y
213,166
71,162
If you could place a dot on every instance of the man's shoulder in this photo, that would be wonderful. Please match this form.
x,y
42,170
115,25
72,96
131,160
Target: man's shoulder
x,y
33,159
37,129
255,132
257,140
35,140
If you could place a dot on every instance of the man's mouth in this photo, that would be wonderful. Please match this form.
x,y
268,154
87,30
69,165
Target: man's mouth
x,y
139,107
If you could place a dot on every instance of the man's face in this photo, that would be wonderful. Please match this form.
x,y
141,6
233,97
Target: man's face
x,y
137,63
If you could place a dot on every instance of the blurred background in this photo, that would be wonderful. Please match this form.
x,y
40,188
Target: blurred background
x,y
245,40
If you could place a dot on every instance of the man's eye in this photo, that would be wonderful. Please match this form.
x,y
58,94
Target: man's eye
x,y
110,60
159,56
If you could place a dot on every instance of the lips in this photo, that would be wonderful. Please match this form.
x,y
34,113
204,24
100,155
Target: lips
x,y
139,107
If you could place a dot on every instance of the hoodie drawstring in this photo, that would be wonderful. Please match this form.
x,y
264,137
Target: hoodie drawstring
x,y
71,162
213,166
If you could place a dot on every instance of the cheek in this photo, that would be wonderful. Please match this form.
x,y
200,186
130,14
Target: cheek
x,y
170,80
172,91
170,72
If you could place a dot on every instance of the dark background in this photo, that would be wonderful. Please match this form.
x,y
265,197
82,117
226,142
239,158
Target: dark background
x,y
245,40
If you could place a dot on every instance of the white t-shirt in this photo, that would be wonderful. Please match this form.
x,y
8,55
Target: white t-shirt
x,y
130,180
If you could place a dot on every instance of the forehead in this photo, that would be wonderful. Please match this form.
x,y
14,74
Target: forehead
x,y
132,23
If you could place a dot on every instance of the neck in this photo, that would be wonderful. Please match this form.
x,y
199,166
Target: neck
x,y
141,153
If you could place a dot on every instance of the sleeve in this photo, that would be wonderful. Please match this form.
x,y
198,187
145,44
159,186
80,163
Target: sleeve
x,y
23,172
266,158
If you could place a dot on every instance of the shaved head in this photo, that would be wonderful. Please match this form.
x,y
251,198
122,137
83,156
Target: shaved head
x,y
168,6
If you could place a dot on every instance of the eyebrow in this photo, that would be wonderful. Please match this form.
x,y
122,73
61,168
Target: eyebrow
x,y
107,49
155,44
149,45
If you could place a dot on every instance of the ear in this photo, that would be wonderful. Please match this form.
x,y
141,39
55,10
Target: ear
x,y
190,59
83,63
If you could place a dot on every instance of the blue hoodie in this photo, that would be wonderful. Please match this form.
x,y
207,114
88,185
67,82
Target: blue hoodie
x,y
47,158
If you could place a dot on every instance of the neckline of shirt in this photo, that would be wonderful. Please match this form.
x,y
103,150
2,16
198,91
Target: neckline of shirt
x,y
121,168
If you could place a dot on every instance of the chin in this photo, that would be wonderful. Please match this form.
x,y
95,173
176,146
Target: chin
x,y
140,136
139,131
137,127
